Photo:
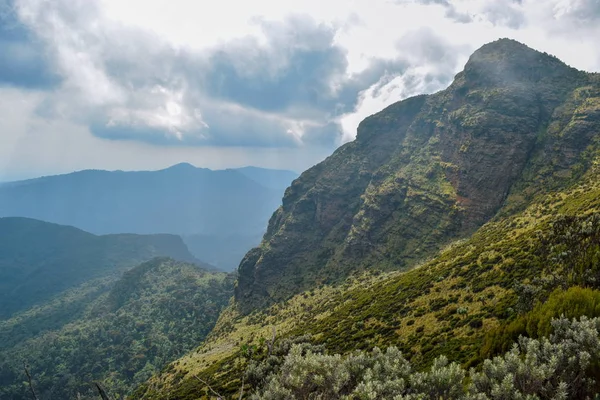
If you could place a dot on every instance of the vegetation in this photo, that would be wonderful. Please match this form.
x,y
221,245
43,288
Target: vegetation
x,y
155,313
532,133
563,366
39,260
516,124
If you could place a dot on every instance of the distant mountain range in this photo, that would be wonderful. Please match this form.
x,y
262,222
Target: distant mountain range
x,y
183,200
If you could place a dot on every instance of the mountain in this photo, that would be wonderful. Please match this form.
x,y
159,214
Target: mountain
x,y
154,313
182,200
426,171
39,260
454,223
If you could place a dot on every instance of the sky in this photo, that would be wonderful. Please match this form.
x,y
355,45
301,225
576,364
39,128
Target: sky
x,y
145,84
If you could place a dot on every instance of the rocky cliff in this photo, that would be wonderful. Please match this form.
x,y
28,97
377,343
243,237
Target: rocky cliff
x,y
513,124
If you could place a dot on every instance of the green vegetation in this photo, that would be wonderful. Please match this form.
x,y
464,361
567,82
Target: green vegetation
x,y
572,303
515,125
565,366
155,313
39,260
452,224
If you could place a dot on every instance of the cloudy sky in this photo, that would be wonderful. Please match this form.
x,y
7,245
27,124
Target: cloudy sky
x,y
143,84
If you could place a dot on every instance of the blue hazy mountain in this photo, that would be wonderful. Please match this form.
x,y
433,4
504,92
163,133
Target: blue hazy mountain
x,y
182,200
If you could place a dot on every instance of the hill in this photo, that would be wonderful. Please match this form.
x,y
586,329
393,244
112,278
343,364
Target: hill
x,y
39,260
426,171
181,200
442,229
156,312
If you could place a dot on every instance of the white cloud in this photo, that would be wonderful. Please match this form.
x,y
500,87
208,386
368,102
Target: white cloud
x,y
287,74
31,146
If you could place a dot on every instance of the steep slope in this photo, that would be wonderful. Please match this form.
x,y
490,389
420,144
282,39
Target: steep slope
x,y
181,199
39,260
425,171
154,313
462,304
489,190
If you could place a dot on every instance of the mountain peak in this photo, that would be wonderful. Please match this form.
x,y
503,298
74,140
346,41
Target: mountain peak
x,y
183,166
507,61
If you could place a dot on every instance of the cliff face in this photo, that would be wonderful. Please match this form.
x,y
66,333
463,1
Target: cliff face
x,y
428,170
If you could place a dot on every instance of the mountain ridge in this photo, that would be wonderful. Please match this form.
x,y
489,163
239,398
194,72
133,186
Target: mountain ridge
x,y
40,259
182,200
423,172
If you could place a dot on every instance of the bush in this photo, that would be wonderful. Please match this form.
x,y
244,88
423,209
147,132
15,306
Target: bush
x,y
572,303
563,366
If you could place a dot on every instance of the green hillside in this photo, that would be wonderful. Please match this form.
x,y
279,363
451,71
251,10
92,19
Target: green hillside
x,y
155,313
426,171
39,260
443,229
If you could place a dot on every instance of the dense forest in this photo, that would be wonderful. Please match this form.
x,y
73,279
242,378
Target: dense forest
x,y
153,314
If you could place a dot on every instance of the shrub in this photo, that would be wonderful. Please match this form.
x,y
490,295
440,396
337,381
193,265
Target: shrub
x,y
572,303
563,366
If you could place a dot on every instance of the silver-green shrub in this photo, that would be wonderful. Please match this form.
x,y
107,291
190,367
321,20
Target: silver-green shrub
x,y
559,367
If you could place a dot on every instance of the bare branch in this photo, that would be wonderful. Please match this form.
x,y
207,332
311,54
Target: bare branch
x,y
272,342
101,391
219,397
29,380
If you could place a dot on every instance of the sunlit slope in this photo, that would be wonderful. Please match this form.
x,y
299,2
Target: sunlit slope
x,y
428,170
422,232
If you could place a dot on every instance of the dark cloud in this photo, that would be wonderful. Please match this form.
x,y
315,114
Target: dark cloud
x,y
287,89
24,60
454,15
450,10
296,70
286,92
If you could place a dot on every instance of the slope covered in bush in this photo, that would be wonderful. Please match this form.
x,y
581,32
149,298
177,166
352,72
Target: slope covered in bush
x,y
563,366
514,141
155,313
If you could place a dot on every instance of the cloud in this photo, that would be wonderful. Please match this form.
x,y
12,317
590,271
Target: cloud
x,y
430,63
286,76
294,70
577,10
504,13
24,63
32,145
